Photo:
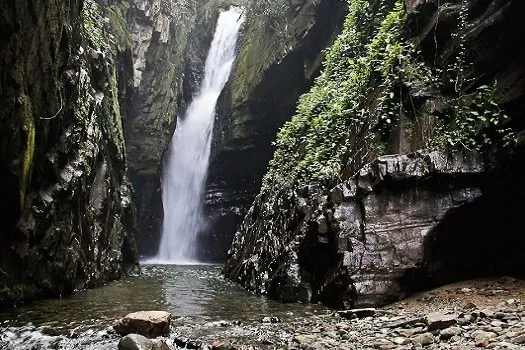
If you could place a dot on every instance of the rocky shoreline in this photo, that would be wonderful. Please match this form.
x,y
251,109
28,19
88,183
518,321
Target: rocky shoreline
x,y
484,313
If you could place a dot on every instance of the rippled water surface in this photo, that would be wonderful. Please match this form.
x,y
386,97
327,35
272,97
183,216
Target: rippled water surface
x,y
195,295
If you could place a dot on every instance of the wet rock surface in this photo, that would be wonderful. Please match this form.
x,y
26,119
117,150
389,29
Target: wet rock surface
x,y
480,309
368,235
67,217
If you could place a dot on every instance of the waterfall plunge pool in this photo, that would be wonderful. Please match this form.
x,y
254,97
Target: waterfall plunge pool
x,y
204,306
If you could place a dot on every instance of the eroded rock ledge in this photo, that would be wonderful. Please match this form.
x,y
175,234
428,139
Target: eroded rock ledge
x,y
367,242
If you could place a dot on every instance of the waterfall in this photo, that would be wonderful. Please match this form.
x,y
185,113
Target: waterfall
x,y
186,166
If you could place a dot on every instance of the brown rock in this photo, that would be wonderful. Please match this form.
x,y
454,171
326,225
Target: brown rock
x,y
343,326
440,320
482,338
423,339
150,324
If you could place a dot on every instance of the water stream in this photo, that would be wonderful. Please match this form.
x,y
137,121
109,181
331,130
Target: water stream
x,y
203,304
189,152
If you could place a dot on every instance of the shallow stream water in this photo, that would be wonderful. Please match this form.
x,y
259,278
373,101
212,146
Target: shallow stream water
x,y
203,305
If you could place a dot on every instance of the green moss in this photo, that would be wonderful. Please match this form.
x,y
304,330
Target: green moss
x,y
117,19
266,40
92,23
361,105
336,116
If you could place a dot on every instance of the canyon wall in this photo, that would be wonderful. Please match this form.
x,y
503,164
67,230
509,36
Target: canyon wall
x,y
68,221
400,169
279,56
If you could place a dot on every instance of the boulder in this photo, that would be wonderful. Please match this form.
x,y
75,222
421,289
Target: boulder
x,y
150,324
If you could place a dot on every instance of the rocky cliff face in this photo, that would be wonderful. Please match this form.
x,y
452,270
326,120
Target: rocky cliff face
x,y
67,216
279,56
160,33
170,42
337,221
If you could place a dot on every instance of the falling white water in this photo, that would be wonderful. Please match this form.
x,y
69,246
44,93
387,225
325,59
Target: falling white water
x,y
187,161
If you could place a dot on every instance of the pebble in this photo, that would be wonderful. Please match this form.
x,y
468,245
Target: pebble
x,y
448,333
423,339
519,339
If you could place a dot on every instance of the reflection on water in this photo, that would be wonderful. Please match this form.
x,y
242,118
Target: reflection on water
x,y
193,294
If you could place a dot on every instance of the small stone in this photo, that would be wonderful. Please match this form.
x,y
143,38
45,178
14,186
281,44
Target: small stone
x,y
400,341
469,306
382,343
160,344
305,338
221,345
270,319
386,347
407,333
404,323
448,333
497,323
482,343
440,320
135,342
499,315
466,290
423,339
357,313
510,302
482,338
509,346
463,321
497,330
486,313
343,326
514,334
519,339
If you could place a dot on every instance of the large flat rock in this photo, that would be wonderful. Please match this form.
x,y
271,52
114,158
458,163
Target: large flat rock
x,y
150,324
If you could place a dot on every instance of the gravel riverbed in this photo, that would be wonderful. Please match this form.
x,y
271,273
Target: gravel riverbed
x,y
468,315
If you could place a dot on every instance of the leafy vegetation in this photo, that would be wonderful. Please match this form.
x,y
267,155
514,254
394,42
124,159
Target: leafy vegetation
x,y
336,111
92,23
476,122
365,92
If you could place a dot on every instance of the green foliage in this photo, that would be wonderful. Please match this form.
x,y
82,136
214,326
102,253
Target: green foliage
x,y
92,23
336,111
476,122
371,76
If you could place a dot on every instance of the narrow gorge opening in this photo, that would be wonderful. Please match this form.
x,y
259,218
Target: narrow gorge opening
x,y
186,163
343,174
